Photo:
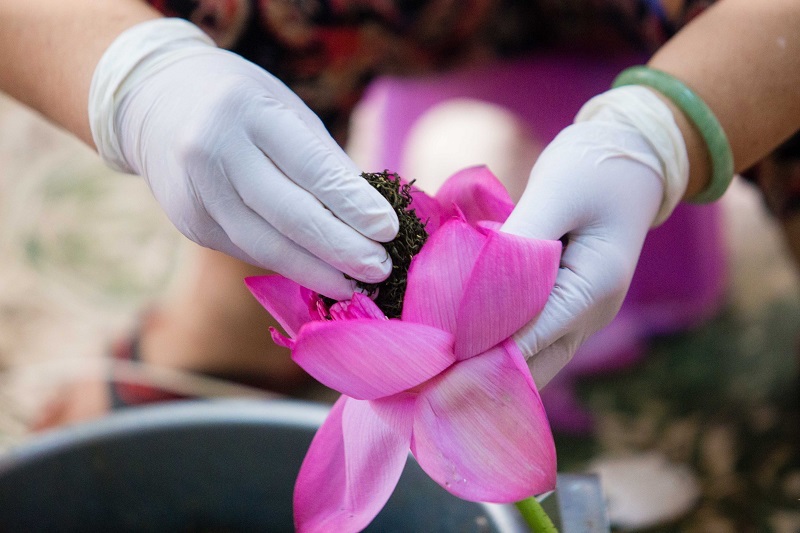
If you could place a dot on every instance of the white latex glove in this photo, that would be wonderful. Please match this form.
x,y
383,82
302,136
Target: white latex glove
x,y
236,159
602,183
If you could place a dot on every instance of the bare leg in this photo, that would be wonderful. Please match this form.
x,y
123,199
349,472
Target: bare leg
x,y
213,325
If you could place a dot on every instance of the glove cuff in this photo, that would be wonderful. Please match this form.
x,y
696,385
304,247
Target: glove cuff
x,y
134,55
639,108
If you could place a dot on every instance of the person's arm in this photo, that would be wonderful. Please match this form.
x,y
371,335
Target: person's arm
x,y
237,161
632,155
743,59
49,50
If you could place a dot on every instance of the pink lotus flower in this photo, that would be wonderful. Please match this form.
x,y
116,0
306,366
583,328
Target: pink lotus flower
x,y
445,381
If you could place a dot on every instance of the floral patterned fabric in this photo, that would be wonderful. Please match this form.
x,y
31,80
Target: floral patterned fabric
x,y
328,50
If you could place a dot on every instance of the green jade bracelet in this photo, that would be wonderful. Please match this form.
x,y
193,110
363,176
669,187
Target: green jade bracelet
x,y
700,115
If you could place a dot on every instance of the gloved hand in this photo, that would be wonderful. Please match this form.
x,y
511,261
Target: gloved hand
x,y
237,160
601,184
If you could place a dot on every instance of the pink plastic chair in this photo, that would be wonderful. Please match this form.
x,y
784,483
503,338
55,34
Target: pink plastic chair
x,y
680,279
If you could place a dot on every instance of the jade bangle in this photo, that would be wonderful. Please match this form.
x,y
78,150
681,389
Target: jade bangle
x,y
700,115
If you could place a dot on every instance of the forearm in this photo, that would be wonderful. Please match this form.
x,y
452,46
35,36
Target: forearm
x,y
49,49
743,59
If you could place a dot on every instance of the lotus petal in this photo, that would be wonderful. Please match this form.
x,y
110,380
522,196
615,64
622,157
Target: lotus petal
x,y
480,430
280,339
427,209
368,359
283,298
360,306
478,194
377,436
507,287
437,275
353,464
320,483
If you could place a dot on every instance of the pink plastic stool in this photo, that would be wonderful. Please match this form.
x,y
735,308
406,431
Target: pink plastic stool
x,y
680,279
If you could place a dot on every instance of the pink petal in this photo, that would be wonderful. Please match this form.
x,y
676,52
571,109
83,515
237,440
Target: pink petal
x,y
489,225
368,359
437,275
480,430
353,464
478,194
506,289
360,306
427,209
280,339
377,437
320,482
283,298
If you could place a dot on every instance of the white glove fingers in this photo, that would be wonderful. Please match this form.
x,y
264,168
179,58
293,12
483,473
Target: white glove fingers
x,y
284,94
551,360
539,222
540,212
557,317
273,251
317,164
298,215
586,296
546,342
216,239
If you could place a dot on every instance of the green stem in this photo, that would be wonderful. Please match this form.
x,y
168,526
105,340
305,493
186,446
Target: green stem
x,y
535,517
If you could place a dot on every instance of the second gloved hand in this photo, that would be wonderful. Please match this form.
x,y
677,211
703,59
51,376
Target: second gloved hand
x,y
600,185
236,159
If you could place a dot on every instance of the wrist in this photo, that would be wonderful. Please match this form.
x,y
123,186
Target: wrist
x,y
133,56
703,123
640,111
697,153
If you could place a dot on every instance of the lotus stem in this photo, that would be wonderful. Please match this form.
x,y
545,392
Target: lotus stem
x,y
535,516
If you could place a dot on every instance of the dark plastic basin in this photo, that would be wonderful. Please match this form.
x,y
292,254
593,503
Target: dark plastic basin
x,y
202,466
226,466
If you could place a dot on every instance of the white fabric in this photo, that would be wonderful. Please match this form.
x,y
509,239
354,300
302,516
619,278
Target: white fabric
x,y
237,161
640,108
